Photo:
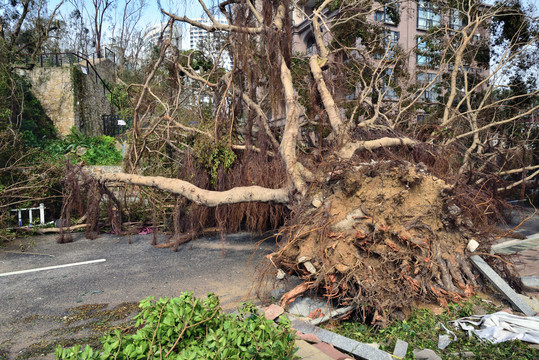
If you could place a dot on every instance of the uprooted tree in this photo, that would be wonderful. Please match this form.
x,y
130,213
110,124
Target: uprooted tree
x,y
377,162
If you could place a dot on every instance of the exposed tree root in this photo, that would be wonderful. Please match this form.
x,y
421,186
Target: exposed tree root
x,y
384,235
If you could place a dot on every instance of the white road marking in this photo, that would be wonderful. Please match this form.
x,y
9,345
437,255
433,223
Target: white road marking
x,y
52,267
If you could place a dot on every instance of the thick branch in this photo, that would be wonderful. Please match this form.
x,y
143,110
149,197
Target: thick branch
x,y
201,196
327,99
348,150
515,184
215,25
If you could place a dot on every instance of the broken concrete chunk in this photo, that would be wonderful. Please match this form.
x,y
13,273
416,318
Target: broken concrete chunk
x,y
401,348
426,354
443,341
530,281
502,286
304,306
273,311
318,200
310,267
302,259
280,274
472,245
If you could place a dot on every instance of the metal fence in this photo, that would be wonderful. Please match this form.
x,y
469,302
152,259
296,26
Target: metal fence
x,y
114,125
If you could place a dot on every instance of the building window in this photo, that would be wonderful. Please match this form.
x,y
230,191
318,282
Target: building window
x,y
427,54
427,80
427,15
456,21
387,89
384,15
391,41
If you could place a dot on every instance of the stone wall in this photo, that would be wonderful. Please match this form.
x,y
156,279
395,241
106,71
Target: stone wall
x,y
73,97
91,98
54,89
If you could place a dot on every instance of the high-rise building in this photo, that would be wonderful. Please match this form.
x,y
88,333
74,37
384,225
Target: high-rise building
x,y
209,43
153,34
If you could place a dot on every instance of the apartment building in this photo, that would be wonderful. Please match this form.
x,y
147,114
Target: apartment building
x,y
200,39
153,34
408,35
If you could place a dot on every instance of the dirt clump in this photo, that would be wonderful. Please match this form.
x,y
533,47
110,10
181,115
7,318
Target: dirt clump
x,y
384,236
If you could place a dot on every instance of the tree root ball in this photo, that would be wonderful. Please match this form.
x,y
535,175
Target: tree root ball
x,y
382,238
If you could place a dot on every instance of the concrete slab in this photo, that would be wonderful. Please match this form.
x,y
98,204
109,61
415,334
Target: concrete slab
x,y
361,350
517,245
531,281
502,286
401,348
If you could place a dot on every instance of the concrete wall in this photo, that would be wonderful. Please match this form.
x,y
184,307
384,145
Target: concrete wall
x,y
54,89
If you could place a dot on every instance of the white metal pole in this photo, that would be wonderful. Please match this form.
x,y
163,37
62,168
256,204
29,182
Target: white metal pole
x,y
30,216
20,217
42,214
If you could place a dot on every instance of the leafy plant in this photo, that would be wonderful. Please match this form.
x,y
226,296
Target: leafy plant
x,y
100,150
189,328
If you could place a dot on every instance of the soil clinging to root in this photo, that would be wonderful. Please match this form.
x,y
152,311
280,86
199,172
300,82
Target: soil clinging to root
x,y
384,237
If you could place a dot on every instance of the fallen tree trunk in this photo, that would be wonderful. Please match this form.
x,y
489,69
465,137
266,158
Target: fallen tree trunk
x,y
201,196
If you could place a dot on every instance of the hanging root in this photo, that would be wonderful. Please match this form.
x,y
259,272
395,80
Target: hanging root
x,y
85,192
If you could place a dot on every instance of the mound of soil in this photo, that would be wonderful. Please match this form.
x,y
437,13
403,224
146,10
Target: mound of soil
x,y
381,236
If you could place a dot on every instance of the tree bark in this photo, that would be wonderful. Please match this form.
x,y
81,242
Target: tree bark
x,y
201,196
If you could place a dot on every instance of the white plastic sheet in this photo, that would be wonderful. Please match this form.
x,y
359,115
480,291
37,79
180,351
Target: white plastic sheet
x,y
501,326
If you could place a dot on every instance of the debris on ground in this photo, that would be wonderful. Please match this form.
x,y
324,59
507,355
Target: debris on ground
x,y
383,236
426,354
445,339
400,350
501,326
502,286
363,351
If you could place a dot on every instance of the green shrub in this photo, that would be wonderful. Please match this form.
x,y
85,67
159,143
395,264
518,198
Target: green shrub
x,y
100,149
189,328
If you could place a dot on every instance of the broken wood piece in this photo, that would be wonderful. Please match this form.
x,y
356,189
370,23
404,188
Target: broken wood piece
x,y
362,350
500,284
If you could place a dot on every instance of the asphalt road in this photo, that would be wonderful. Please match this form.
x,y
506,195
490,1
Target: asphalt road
x,y
131,272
